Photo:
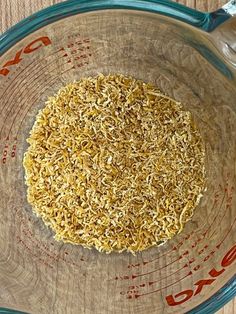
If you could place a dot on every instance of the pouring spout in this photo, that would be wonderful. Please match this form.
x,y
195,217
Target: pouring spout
x,y
224,36
230,7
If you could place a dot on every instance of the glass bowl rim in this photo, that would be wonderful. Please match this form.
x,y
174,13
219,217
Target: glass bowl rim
x,y
164,7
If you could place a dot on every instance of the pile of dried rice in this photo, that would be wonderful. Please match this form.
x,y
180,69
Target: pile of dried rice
x,y
114,164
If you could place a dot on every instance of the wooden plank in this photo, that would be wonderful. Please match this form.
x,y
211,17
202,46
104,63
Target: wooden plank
x,y
18,9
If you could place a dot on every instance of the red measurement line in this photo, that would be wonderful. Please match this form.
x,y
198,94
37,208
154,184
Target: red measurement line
x,y
218,212
40,245
208,255
215,231
216,216
36,78
218,246
19,82
38,97
155,270
22,106
32,92
166,253
38,258
150,283
6,90
157,258
25,91
155,291
73,67
169,251
26,68
225,212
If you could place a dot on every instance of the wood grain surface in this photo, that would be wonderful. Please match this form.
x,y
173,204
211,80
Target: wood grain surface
x,y
12,11
16,10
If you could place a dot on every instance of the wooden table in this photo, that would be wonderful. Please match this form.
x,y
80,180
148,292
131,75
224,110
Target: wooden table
x,y
12,11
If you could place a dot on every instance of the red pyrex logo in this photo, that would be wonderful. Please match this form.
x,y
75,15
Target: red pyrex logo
x,y
186,295
31,47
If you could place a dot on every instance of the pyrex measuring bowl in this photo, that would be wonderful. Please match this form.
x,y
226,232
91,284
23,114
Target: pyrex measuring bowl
x,y
191,56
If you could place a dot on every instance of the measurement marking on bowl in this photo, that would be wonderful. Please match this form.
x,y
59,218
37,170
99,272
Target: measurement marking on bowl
x,y
186,253
131,288
174,248
38,96
222,241
216,199
41,260
192,260
213,207
65,55
51,257
8,146
21,71
136,288
43,250
202,250
28,95
27,233
133,276
226,261
214,273
226,197
81,45
73,67
32,92
20,54
212,252
9,151
27,67
196,242
137,295
229,198
25,92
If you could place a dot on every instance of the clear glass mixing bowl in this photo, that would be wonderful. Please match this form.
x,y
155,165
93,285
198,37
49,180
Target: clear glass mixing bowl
x,y
192,57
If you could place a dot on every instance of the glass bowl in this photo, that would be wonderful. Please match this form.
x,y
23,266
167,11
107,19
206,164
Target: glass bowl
x,y
191,56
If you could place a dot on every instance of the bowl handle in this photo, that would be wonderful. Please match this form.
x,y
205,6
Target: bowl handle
x,y
223,36
230,7
203,21
216,18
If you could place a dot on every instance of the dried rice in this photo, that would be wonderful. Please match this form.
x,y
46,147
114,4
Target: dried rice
x,y
114,164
